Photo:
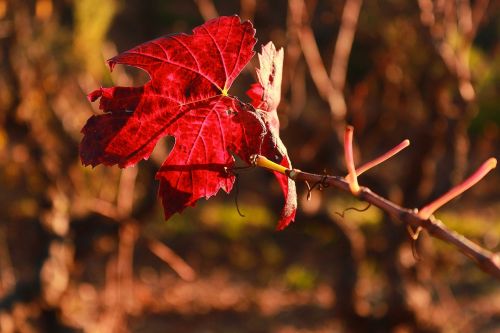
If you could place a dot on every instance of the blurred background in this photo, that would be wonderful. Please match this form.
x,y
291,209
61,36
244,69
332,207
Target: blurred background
x,y
88,250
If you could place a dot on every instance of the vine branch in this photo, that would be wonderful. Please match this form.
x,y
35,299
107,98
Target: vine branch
x,y
486,260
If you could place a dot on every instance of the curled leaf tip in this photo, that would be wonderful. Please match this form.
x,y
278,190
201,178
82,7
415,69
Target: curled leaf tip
x,y
93,96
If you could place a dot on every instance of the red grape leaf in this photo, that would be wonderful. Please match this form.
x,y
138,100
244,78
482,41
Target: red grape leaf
x,y
186,98
184,69
266,96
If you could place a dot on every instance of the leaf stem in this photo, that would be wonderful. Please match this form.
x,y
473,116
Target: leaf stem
x,y
261,161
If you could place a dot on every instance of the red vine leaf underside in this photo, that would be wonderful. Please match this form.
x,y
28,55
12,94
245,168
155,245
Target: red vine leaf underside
x,y
185,98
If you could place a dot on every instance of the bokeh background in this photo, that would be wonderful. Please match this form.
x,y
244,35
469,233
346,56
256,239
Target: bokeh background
x,y
88,250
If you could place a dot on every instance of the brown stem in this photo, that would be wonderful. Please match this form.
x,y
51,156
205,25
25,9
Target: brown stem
x,y
313,59
343,46
318,72
166,254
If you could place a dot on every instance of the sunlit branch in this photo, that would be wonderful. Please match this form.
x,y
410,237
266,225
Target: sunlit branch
x,y
484,259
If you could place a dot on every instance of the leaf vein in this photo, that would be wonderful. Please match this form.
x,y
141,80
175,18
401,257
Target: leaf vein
x,y
223,63
189,50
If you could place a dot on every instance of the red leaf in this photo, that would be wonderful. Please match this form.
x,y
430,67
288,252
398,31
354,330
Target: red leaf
x,y
184,69
266,96
186,98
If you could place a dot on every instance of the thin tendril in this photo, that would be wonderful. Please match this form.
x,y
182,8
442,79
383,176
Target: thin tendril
x,y
414,250
236,184
414,234
321,184
236,194
309,189
360,210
